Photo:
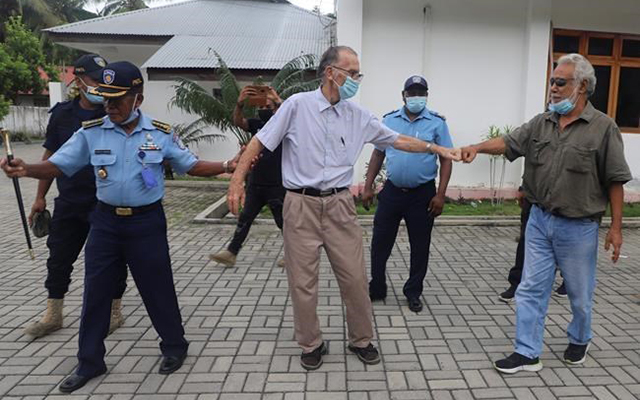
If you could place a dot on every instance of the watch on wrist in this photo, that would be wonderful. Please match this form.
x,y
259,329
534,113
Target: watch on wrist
x,y
429,147
225,166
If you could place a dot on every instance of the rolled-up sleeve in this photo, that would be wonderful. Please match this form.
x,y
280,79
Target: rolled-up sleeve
x,y
274,131
376,133
616,167
73,155
179,156
517,142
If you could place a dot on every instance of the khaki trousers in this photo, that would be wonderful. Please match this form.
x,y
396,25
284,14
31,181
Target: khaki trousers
x,y
332,223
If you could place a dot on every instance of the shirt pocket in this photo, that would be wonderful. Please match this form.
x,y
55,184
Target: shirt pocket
x,y
539,151
106,162
579,159
150,157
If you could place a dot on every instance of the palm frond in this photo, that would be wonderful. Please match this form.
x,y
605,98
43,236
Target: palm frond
x,y
303,62
300,87
193,133
292,79
194,99
228,85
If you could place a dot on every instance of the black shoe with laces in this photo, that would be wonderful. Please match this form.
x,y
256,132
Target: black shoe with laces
x,y
561,291
368,355
313,360
508,296
517,362
576,353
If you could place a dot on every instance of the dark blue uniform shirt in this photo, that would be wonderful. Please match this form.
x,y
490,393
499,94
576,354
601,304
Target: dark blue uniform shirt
x,y
268,170
66,118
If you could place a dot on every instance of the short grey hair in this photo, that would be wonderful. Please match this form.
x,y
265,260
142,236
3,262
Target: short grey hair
x,y
331,56
583,70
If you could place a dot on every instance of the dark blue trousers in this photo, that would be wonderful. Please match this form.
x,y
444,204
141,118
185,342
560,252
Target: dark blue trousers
x,y
140,241
67,235
395,204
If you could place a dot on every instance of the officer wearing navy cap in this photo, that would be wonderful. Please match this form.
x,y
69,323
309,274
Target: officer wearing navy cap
x,y
409,192
126,150
76,199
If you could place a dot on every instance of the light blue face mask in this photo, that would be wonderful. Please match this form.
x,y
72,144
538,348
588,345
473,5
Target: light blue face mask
x,y
135,113
563,107
349,88
93,98
416,104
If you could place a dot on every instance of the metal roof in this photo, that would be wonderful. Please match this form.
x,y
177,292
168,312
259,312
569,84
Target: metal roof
x,y
248,34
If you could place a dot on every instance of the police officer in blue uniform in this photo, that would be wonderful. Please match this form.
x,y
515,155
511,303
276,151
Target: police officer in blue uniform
x,y
126,150
76,199
409,192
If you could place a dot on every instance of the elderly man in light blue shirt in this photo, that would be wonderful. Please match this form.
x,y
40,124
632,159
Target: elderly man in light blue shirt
x,y
409,192
322,136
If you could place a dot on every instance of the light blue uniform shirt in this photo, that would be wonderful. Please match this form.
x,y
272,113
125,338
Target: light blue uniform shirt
x,y
321,142
409,170
108,146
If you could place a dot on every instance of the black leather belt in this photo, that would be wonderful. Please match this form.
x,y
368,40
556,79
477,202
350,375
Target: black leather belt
x,y
407,190
127,211
317,192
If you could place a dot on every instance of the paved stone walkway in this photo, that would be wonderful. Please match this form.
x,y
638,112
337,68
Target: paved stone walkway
x,y
239,323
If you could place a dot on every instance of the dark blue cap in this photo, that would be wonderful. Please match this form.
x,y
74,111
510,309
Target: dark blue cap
x,y
416,80
90,65
117,79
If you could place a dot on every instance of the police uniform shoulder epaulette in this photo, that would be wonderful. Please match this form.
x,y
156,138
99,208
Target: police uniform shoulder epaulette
x,y
391,112
92,122
161,126
435,114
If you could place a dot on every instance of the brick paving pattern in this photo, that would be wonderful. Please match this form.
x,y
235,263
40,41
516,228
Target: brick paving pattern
x,y
239,322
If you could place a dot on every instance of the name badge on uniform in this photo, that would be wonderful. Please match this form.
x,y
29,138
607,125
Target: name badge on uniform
x,y
102,151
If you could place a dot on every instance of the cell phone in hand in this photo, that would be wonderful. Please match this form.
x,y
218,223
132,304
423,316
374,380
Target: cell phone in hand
x,y
260,98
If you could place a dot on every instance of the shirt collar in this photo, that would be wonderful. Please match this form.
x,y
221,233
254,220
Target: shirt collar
x,y
424,114
324,104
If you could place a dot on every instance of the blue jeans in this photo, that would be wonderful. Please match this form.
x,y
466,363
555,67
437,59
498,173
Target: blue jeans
x,y
572,245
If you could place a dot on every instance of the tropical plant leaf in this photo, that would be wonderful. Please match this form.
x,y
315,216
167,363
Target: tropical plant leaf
x,y
228,85
304,62
300,87
193,133
194,99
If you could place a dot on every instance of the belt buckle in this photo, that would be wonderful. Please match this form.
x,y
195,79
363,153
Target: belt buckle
x,y
325,193
124,211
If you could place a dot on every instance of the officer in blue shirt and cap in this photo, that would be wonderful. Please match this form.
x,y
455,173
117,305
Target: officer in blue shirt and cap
x,y
126,150
409,192
76,199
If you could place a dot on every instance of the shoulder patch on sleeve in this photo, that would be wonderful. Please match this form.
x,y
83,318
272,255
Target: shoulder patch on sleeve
x,y
390,112
161,126
92,122
435,114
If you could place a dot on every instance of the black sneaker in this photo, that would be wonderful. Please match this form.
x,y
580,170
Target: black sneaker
x,y
415,304
576,353
368,355
313,360
508,296
561,292
517,362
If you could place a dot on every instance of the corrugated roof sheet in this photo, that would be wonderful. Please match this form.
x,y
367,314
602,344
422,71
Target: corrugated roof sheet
x,y
237,52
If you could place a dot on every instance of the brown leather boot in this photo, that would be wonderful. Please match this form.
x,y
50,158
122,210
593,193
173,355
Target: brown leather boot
x,y
50,322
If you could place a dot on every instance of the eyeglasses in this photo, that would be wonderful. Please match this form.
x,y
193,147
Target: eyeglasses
x,y
355,75
559,82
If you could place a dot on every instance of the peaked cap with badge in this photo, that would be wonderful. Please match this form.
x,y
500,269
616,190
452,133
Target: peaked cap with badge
x,y
90,65
117,79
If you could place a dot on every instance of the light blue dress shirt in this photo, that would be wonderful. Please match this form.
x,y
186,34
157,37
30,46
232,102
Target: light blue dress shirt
x,y
321,142
409,170
107,146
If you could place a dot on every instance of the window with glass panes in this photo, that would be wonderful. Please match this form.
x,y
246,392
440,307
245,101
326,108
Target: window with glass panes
x,y
616,60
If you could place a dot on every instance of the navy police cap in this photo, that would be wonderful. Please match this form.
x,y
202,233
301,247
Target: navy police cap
x,y
90,65
117,79
416,80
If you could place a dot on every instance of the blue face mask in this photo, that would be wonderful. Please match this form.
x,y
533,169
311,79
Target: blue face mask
x,y
563,107
349,88
93,98
416,104
135,113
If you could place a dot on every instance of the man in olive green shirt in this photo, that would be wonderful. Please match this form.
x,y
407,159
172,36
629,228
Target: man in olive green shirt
x,y
574,167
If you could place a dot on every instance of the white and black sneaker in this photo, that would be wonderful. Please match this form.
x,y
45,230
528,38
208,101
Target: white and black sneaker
x,y
517,362
561,292
508,296
576,353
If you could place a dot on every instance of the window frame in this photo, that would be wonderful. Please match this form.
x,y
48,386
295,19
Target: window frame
x,y
615,61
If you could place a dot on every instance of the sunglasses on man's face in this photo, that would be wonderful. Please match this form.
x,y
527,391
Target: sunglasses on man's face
x,y
559,82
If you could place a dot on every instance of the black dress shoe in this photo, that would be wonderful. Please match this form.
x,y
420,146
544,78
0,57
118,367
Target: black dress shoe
x,y
377,292
75,382
415,304
171,364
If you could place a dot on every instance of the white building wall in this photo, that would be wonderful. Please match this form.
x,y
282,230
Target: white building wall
x,y
485,61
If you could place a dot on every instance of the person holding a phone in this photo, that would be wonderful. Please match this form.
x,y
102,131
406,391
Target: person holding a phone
x,y
409,192
265,181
